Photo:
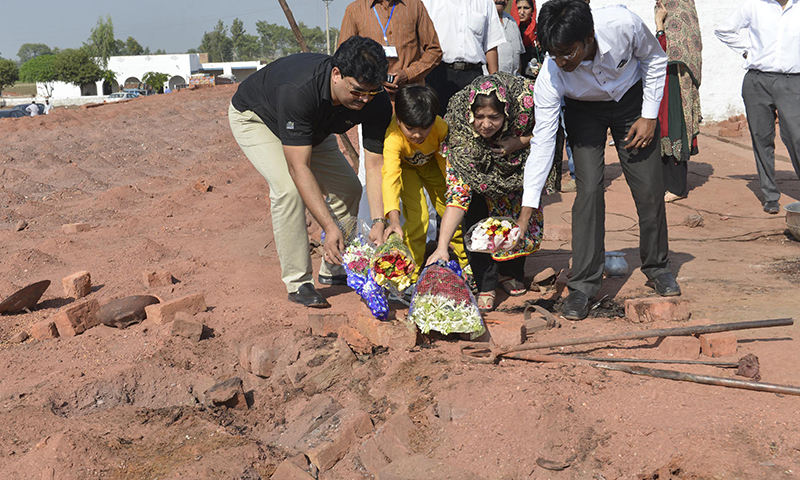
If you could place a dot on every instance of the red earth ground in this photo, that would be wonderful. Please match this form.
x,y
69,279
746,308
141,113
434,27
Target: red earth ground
x,y
126,404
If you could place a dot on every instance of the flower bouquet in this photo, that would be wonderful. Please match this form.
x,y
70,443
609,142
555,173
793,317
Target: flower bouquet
x,y
443,302
357,257
392,265
492,235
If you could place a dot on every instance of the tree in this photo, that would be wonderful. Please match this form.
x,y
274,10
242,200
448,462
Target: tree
x,y
156,80
9,73
32,50
278,41
133,47
245,46
217,44
39,69
76,67
101,42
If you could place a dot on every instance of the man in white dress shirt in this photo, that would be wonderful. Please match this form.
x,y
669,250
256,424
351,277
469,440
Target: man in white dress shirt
x,y
767,34
469,33
610,70
508,52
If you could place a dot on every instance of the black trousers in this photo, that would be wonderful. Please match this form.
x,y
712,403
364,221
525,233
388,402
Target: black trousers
x,y
587,126
485,269
447,81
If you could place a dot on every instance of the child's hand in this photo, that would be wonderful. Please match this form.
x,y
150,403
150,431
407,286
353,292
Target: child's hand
x,y
437,255
376,233
392,228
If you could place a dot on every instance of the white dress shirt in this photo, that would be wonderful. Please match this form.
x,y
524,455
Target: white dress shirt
x,y
467,29
772,39
508,52
626,52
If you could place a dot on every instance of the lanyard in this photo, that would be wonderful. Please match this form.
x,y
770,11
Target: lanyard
x,y
387,22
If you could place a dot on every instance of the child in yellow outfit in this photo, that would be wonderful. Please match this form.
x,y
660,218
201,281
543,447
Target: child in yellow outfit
x,y
412,161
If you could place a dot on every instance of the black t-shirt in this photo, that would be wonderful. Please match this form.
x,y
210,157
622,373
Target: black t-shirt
x,y
292,95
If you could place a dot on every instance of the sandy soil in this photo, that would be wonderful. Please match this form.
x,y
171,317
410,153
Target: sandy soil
x,y
126,404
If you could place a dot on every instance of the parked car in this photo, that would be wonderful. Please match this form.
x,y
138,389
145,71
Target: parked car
x,y
122,95
20,111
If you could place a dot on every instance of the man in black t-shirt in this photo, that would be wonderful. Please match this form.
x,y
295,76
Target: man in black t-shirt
x,y
284,117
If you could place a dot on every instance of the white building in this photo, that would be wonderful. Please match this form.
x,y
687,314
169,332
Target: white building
x,y
129,71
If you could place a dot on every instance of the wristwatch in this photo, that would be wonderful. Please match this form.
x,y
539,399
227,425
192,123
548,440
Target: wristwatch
x,y
382,220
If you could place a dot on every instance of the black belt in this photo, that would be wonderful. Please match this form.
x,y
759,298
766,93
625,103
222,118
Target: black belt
x,y
464,66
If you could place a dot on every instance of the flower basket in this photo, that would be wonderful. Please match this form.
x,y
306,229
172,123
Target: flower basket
x,y
492,235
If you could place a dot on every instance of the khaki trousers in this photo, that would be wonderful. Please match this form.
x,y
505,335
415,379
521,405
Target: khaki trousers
x,y
334,174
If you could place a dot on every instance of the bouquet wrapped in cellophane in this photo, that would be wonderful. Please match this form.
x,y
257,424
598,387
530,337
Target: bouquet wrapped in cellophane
x,y
392,265
443,302
492,235
357,256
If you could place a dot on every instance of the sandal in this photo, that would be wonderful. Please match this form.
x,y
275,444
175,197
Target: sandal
x,y
486,301
512,286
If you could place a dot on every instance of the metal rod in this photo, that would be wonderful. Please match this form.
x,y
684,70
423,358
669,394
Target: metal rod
x,y
651,360
661,332
666,374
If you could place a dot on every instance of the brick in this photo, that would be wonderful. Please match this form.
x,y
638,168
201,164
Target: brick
x,y
680,347
395,335
18,337
505,330
201,185
77,318
77,285
318,410
371,456
357,342
655,309
326,323
159,278
317,370
394,437
718,344
419,466
75,228
329,442
558,233
165,312
545,276
289,471
729,133
228,393
44,330
263,358
184,326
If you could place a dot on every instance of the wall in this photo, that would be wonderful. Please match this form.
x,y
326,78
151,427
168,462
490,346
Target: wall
x,y
720,92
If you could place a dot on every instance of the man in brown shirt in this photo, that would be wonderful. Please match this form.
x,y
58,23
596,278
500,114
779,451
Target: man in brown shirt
x,y
405,31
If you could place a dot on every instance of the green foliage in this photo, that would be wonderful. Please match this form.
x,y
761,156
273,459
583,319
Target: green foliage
x,y
101,42
217,44
245,46
160,51
32,50
109,76
76,67
38,69
278,41
156,80
132,47
9,73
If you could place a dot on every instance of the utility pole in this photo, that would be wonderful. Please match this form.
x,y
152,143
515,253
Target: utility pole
x,y
327,26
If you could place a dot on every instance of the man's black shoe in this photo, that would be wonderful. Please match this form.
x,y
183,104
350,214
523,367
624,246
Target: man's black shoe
x,y
332,279
772,207
308,296
576,307
665,285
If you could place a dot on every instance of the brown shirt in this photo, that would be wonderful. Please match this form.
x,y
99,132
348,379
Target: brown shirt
x,y
410,31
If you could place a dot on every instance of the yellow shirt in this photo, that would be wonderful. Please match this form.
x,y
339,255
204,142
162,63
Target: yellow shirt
x,y
399,153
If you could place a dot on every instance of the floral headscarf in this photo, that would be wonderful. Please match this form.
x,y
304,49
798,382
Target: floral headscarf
x,y
470,155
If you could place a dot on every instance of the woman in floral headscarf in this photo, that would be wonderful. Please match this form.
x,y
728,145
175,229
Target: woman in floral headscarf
x,y
490,126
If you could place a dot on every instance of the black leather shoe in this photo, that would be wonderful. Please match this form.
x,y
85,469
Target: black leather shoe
x,y
665,285
332,279
308,296
576,307
772,207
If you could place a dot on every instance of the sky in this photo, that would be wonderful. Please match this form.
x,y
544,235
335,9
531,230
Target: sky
x,y
172,26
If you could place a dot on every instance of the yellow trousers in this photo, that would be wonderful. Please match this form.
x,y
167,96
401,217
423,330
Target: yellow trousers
x,y
415,209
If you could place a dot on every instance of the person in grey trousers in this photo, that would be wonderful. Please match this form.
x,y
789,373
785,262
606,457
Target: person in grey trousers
x,y
766,33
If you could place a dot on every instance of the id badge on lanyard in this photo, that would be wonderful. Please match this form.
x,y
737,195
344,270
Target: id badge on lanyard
x,y
389,50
